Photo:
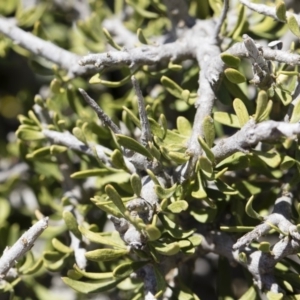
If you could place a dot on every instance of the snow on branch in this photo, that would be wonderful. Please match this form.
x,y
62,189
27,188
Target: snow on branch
x,y
23,245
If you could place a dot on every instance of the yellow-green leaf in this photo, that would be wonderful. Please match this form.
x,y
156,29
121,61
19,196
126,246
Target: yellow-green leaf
x,y
105,254
281,11
250,211
231,60
241,111
227,119
293,25
178,206
234,76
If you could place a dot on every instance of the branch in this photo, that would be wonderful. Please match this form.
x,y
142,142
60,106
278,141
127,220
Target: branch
x,y
23,245
269,11
221,19
67,139
136,57
250,134
63,58
146,130
259,264
107,121
280,217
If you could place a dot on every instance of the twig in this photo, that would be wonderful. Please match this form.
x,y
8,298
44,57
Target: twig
x,y
135,57
267,10
67,139
250,134
63,58
146,130
221,19
107,121
280,217
23,245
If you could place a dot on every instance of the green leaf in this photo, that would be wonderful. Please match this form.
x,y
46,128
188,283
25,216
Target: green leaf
x,y
112,84
284,97
57,149
172,87
274,296
296,113
29,135
42,152
141,36
206,166
209,130
250,294
264,247
198,190
231,60
161,284
105,254
126,269
92,275
207,150
287,162
89,173
34,268
115,197
271,158
281,11
167,249
174,229
178,206
234,76
261,105
163,192
92,286
136,184
133,145
250,211
118,160
293,25
60,247
110,39
184,126
241,111
141,11
152,232
99,238
227,119
71,223
178,158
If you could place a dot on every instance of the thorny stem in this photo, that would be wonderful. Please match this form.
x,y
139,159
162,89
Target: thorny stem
x,y
107,121
221,19
146,130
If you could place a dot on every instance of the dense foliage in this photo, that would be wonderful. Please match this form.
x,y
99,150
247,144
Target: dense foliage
x,y
180,180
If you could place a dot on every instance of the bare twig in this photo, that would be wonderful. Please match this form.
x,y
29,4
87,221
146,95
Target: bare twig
x,y
251,134
221,19
63,58
23,245
145,131
280,217
107,121
266,10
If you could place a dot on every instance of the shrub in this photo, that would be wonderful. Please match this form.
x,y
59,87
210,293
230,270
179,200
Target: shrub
x,y
180,180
